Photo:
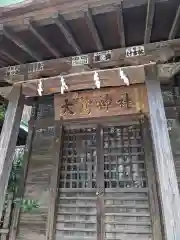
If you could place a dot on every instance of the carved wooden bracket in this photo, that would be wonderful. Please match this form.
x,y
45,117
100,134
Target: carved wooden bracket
x,y
167,71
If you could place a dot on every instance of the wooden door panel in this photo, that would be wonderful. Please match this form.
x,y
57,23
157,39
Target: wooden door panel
x,y
126,205
76,215
76,208
103,185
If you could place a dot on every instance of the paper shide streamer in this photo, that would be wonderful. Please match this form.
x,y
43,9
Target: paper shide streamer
x,y
40,88
64,87
97,80
124,77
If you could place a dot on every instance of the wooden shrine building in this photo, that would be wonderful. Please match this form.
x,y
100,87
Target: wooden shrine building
x,y
102,156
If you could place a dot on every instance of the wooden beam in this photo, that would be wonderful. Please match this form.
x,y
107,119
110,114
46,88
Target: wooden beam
x,y
54,181
6,60
7,32
60,22
2,63
10,56
149,20
120,22
168,70
84,80
168,186
159,52
175,24
69,10
92,28
35,32
5,92
8,139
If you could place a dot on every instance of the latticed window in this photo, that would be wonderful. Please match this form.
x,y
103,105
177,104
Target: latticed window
x,y
79,159
122,156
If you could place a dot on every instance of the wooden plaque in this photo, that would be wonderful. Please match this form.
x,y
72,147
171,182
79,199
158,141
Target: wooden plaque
x,y
101,103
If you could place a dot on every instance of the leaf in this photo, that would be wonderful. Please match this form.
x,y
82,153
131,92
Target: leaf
x,y
2,112
27,204
16,172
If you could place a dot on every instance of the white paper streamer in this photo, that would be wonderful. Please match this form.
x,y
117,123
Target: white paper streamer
x,y
124,77
64,87
40,88
97,80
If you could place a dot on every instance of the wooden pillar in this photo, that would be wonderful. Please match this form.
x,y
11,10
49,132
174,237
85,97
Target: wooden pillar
x,y
168,186
151,177
8,139
54,188
21,187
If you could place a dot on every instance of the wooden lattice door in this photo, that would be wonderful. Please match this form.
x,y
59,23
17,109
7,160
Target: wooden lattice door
x,y
103,192
77,200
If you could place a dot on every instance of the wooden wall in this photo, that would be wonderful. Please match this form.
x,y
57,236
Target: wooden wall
x,y
171,96
174,131
33,224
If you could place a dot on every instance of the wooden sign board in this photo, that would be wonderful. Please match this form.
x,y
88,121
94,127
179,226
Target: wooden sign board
x,y
101,103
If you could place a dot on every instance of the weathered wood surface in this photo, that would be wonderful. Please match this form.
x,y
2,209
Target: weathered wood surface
x,y
69,9
32,225
20,193
174,28
103,102
7,219
159,52
171,98
174,133
152,181
167,71
85,80
120,23
92,27
8,139
149,20
33,29
165,168
50,231
100,199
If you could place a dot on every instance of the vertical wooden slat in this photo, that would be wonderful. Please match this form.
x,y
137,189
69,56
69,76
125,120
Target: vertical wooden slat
x,y
20,193
8,139
54,182
100,185
7,216
153,195
168,185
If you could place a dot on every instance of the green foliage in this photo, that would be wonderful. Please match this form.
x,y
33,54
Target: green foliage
x,y
2,112
27,204
15,177
14,180
15,174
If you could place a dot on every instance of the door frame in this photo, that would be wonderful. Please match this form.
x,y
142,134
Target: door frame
x,y
149,164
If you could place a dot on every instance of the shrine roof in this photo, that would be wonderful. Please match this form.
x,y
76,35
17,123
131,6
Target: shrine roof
x,y
41,30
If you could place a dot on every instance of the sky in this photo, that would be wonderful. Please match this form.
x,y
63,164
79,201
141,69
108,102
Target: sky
x,y
8,2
